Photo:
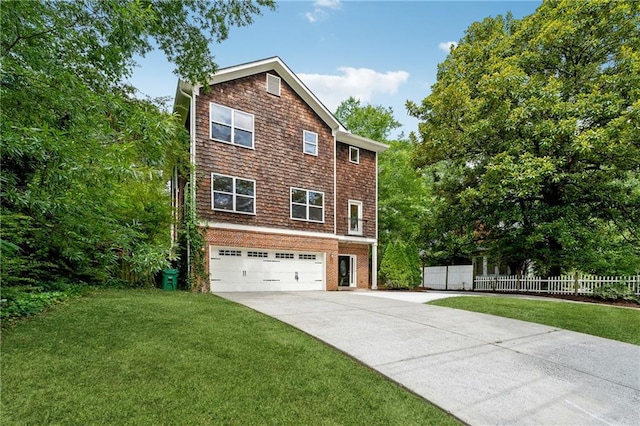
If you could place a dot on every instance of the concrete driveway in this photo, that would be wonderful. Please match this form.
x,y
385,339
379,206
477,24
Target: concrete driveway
x,y
483,369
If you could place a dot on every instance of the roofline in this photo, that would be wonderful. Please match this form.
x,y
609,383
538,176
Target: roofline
x,y
276,64
359,141
184,90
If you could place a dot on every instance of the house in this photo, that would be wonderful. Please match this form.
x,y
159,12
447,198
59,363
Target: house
x,y
286,195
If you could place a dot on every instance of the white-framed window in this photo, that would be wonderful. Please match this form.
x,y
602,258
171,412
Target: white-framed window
x,y
307,205
233,194
310,142
231,126
355,217
354,154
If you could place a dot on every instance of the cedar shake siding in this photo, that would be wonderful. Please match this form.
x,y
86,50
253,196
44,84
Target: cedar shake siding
x,y
356,182
277,161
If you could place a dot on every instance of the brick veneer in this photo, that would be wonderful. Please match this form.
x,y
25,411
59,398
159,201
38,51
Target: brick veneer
x,y
250,239
276,164
356,182
361,251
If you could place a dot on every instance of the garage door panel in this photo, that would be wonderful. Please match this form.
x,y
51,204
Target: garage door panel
x,y
242,269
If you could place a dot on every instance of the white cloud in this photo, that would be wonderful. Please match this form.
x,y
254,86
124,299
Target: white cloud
x,y
320,9
447,45
361,83
331,4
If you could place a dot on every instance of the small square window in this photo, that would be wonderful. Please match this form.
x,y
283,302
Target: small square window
x,y
310,142
354,154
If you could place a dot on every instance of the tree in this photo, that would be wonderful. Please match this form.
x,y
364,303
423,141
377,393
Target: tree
x,y
373,122
404,198
84,162
401,265
535,126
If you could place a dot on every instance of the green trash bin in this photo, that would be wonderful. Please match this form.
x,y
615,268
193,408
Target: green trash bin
x,y
169,279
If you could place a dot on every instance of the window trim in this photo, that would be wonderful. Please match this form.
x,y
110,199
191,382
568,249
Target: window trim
x,y
305,142
234,194
232,126
360,229
307,205
357,151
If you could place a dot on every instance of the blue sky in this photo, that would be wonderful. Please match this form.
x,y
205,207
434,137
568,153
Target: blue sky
x,y
381,52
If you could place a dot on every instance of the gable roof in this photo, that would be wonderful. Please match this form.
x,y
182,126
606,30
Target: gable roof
x,y
184,90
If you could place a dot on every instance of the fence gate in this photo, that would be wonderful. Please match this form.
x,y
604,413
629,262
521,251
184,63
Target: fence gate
x,y
453,277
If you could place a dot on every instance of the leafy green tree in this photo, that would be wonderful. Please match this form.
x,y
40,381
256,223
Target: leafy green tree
x,y
404,198
535,126
400,266
371,121
84,162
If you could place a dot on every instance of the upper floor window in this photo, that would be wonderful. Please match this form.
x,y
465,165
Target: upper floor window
x,y
310,142
307,205
231,126
229,193
354,154
355,217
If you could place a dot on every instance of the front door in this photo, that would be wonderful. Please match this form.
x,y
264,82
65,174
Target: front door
x,y
345,271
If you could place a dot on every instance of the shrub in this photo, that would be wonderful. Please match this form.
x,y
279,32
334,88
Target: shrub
x,y
616,291
400,265
25,301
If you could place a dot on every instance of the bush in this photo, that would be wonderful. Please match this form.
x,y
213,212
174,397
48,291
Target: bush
x,y
617,291
25,301
400,265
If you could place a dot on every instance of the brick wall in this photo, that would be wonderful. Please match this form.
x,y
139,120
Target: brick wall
x,y
249,239
276,164
356,182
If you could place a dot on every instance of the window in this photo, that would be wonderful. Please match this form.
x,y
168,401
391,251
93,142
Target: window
x,y
307,205
257,254
355,217
354,154
310,142
307,256
233,194
229,253
284,255
231,126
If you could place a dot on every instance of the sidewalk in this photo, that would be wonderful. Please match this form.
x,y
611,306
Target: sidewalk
x,y
483,369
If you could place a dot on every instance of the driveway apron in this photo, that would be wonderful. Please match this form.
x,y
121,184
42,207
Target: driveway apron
x,y
483,369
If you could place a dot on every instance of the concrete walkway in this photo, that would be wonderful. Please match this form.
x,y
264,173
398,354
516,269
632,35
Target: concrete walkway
x,y
483,369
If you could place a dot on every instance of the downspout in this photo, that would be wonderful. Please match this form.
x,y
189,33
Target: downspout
x,y
374,247
192,173
335,192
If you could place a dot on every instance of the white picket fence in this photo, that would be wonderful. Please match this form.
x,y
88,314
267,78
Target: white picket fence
x,y
581,284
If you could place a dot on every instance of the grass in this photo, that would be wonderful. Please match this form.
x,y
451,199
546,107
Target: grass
x,y
610,322
151,357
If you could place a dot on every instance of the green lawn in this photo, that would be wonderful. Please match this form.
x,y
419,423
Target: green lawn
x,y
166,358
611,322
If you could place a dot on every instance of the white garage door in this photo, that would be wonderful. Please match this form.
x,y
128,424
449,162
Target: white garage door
x,y
242,269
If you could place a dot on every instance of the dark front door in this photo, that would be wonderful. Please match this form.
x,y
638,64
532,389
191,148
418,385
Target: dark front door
x,y
344,271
